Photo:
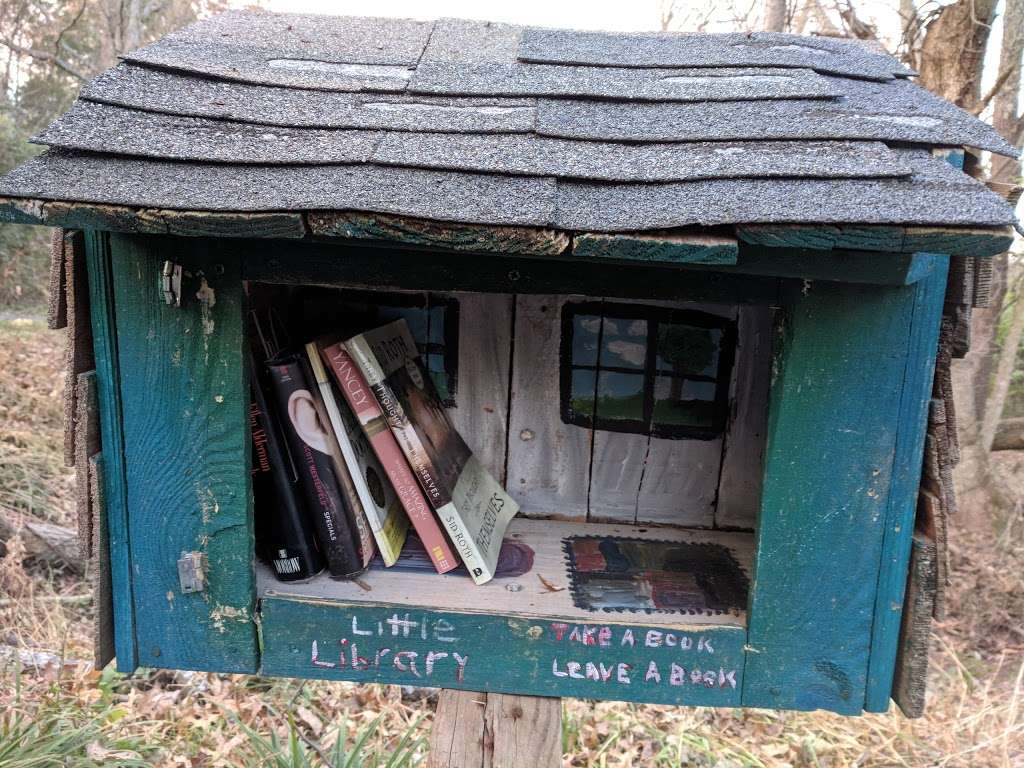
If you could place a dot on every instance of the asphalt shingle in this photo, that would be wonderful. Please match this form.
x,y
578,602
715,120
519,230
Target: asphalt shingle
x,y
497,124
734,49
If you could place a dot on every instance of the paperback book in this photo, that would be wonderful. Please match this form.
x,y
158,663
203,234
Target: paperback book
x,y
472,506
310,444
380,506
371,419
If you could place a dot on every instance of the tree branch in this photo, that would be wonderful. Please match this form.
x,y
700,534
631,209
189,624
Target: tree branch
x,y
60,37
997,86
50,58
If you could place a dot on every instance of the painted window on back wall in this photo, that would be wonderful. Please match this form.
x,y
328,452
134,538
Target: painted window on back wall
x,y
433,322
646,370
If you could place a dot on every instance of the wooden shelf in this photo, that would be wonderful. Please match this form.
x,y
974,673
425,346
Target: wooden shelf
x,y
657,576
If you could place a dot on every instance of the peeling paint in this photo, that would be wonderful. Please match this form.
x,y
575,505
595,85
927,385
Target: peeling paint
x,y
208,504
207,300
222,613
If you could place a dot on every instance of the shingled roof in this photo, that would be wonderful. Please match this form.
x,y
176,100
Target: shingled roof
x,y
485,123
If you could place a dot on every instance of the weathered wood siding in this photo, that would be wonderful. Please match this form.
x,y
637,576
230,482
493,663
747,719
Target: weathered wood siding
x,y
481,405
572,472
838,378
184,402
548,461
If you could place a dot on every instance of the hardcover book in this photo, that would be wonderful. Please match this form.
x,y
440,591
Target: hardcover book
x,y
384,514
309,441
472,506
284,535
373,423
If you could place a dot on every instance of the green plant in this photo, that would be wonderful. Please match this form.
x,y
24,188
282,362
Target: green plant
x,y
58,731
299,750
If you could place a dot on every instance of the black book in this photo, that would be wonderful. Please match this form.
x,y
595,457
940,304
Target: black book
x,y
309,441
284,533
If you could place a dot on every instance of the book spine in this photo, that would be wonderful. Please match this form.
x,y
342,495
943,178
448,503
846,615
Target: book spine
x,y
314,467
370,518
397,419
465,544
357,393
345,466
284,536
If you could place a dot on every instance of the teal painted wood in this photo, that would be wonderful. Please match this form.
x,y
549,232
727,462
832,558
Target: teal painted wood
x,y
508,654
899,520
184,396
104,339
841,266
953,156
670,248
18,211
979,241
422,269
833,412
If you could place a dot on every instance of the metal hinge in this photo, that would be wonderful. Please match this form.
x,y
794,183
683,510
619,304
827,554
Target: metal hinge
x,y
171,283
192,572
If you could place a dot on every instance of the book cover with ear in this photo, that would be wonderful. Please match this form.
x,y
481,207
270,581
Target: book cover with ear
x,y
309,440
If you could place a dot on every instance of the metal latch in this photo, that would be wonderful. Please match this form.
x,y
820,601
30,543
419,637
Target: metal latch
x,y
171,283
192,572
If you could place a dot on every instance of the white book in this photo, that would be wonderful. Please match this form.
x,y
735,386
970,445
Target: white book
x,y
381,506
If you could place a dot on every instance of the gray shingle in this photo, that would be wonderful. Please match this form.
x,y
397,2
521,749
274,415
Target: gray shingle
x,y
937,194
326,52
115,130
631,153
480,58
895,111
442,196
710,84
766,49
535,156
473,42
182,94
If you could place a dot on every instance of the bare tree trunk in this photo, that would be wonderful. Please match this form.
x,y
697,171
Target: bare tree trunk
x,y
1004,372
951,61
1006,104
775,12
953,51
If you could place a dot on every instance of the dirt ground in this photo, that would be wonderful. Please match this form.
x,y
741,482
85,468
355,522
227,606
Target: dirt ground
x,y
56,710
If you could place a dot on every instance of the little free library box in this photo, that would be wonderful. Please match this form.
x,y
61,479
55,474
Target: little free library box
x,y
691,299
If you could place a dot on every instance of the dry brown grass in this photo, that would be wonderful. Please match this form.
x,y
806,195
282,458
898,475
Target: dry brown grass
x,y
975,716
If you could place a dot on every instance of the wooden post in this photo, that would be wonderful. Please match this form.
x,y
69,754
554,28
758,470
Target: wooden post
x,y
495,730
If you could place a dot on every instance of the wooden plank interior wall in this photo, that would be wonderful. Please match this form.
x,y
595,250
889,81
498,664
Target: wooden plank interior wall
x,y
570,472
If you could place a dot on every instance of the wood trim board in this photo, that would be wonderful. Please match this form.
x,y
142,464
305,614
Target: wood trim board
x,y
838,376
185,403
104,327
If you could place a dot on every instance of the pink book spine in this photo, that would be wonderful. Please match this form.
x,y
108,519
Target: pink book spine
x,y
363,403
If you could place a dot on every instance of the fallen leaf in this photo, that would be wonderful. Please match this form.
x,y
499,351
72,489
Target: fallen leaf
x,y
549,586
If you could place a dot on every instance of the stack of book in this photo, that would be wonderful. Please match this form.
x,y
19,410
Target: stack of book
x,y
351,444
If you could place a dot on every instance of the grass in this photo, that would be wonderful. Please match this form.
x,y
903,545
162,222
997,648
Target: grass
x,y
32,476
62,712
